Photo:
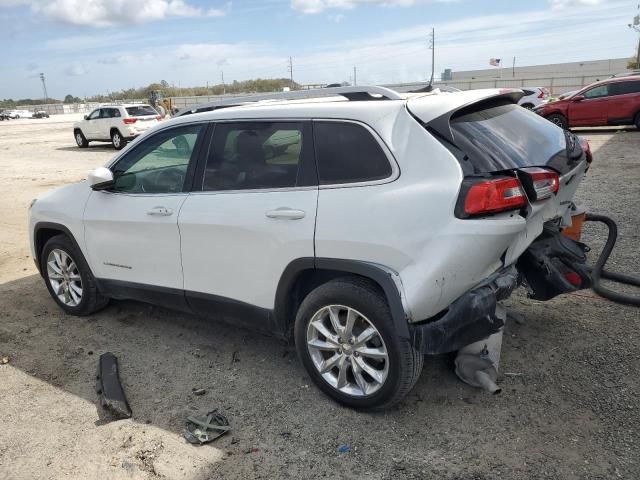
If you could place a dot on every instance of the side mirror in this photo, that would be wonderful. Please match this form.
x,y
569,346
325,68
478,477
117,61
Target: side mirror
x,y
577,98
86,117
100,179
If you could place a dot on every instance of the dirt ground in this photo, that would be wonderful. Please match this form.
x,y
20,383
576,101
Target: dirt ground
x,y
569,407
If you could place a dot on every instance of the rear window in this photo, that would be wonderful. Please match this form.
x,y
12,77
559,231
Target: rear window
x,y
506,136
347,153
141,111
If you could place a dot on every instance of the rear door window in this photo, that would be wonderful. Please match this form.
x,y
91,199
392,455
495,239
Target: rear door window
x,y
624,88
259,155
347,153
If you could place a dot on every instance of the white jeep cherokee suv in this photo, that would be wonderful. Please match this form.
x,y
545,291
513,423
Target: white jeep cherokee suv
x,y
115,123
372,227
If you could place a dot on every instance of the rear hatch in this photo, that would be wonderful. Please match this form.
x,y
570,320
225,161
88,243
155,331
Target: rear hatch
x,y
513,161
141,117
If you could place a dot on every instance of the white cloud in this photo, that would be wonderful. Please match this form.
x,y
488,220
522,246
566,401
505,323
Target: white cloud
x,y
560,4
337,18
75,70
317,6
106,13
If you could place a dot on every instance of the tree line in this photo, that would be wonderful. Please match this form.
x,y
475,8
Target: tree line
x,y
166,90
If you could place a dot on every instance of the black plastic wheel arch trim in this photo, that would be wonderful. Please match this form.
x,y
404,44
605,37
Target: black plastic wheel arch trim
x,y
50,226
376,273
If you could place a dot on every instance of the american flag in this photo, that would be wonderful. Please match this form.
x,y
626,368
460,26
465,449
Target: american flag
x,y
494,62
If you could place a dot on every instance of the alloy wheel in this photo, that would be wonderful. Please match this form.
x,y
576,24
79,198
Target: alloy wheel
x,y
64,277
79,139
116,140
347,350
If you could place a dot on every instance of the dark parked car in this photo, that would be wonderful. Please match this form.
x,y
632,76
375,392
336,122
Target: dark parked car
x,y
615,101
3,115
40,114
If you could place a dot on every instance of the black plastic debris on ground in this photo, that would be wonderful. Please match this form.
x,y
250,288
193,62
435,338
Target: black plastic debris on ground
x,y
207,428
109,389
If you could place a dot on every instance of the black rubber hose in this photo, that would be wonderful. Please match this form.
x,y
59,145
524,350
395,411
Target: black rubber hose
x,y
599,272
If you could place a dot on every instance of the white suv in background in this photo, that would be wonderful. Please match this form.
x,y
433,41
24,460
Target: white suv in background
x,y
115,123
533,96
371,227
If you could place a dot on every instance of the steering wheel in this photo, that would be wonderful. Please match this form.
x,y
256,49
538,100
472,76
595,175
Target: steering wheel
x,y
166,180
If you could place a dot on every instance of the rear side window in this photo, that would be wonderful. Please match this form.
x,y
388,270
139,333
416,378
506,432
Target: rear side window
x,y
258,155
347,153
623,88
140,111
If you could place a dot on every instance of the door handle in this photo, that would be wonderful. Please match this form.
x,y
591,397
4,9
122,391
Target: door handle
x,y
160,211
286,213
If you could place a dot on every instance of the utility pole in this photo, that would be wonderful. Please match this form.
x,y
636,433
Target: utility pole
x,y
636,26
355,81
291,73
224,88
44,87
432,46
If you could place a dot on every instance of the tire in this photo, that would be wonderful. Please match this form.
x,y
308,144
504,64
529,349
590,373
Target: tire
x,y
559,120
637,121
60,250
117,140
396,374
81,141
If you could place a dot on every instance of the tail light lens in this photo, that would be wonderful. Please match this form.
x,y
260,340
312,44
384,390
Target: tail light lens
x,y
586,148
539,183
541,94
483,197
129,121
158,117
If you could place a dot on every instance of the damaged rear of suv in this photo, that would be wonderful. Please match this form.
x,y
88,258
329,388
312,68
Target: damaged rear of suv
x,y
373,228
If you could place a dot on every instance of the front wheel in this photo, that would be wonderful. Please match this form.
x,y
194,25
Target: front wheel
x,y
117,140
68,277
559,119
346,340
81,141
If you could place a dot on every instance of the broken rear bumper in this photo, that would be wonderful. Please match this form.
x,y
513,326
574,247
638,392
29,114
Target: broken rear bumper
x,y
469,319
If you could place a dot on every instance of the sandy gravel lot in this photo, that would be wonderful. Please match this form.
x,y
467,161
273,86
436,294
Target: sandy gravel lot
x,y
569,407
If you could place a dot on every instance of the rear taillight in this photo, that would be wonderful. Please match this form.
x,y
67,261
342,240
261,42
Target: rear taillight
x,y
129,121
541,94
158,117
586,148
481,197
539,183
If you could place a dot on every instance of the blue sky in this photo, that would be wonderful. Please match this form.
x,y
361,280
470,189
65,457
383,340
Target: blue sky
x,y
86,47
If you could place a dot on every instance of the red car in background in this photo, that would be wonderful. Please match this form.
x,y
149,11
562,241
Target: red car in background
x,y
615,101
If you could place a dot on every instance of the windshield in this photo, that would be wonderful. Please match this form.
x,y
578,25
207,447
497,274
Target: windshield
x,y
506,136
141,111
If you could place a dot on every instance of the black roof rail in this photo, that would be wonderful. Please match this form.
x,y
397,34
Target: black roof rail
x,y
350,93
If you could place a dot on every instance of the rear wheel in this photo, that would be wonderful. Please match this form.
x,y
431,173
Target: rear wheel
x,y
68,277
559,119
637,121
81,141
117,140
347,342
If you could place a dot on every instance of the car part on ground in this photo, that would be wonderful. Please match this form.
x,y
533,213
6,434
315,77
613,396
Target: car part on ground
x,y
109,388
477,364
206,428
